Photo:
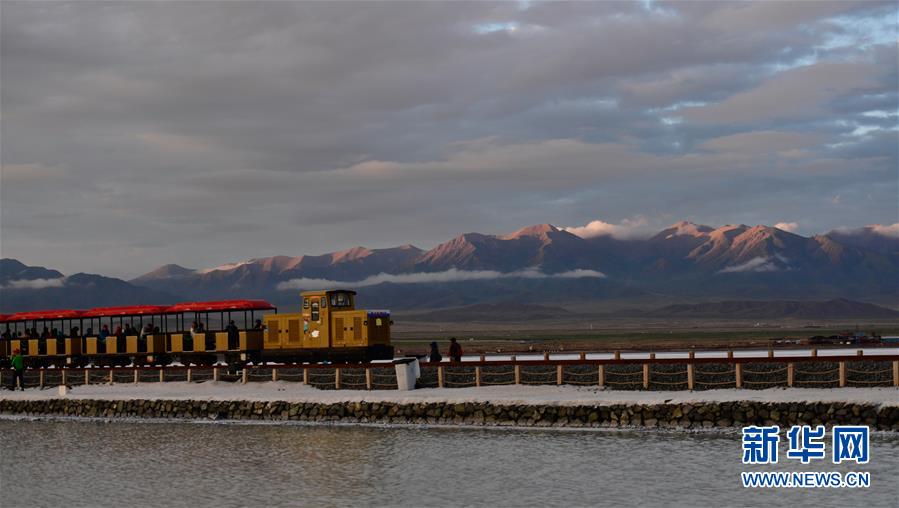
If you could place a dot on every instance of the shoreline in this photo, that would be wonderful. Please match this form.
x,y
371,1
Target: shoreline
x,y
499,406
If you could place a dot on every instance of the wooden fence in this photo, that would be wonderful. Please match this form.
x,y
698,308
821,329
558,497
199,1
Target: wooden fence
x,y
620,373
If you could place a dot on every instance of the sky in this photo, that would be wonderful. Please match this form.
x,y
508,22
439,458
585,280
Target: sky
x,y
200,133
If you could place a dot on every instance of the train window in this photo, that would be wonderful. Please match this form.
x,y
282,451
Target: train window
x,y
378,322
305,303
315,314
340,300
324,302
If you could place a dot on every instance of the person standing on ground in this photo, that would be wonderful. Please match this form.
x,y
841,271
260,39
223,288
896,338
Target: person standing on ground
x,y
18,365
455,350
434,355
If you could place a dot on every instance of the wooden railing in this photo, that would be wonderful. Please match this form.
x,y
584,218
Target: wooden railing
x,y
616,372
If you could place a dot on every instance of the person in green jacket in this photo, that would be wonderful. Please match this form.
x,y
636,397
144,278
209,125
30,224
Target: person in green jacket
x,y
18,364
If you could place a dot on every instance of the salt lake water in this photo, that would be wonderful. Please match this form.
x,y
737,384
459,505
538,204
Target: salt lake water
x,y
94,463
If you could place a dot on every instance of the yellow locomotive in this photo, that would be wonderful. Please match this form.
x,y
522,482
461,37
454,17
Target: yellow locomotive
x,y
327,328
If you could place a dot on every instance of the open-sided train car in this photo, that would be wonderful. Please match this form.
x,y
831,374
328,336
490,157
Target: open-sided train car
x,y
332,329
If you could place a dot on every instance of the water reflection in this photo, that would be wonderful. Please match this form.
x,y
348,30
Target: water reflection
x,y
52,463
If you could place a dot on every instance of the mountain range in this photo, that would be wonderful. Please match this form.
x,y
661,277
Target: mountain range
x,y
539,264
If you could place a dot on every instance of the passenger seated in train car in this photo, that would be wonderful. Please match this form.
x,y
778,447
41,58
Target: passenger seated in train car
x,y
142,339
189,338
259,325
155,329
233,335
104,333
200,327
75,332
42,342
120,334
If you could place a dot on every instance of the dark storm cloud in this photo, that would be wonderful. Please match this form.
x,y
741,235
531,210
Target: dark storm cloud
x,y
136,134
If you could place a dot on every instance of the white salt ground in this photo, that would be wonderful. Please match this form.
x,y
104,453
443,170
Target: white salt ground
x,y
546,395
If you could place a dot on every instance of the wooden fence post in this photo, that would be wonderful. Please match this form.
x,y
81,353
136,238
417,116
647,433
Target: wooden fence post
x,y
440,376
738,373
617,355
546,356
790,374
305,375
583,356
161,374
368,377
136,376
601,375
690,373
646,376
111,378
243,376
559,371
896,373
518,374
63,377
770,353
337,378
730,354
274,374
189,375
477,376
41,381
842,374
215,373
87,378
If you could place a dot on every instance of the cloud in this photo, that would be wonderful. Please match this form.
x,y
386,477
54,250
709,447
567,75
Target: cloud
x,y
35,283
16,173
789,227
451,275
891,230
628,229
761,141
787,96
759,264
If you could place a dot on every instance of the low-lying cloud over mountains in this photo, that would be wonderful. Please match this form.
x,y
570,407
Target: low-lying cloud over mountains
x,y
540,263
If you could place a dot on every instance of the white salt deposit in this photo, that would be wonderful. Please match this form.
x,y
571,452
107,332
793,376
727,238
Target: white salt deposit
x,y
510,394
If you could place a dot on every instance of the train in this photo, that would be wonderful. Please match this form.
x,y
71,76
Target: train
x,y
327,328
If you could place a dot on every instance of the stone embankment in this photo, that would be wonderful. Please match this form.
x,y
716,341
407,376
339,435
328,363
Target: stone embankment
x,y
679,415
